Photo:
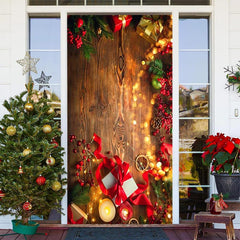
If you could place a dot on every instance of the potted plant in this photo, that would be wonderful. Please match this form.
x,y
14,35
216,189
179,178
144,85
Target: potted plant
x,y
31,161
221,154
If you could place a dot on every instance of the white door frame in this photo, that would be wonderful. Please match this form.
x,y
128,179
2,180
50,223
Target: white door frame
x,y
218,14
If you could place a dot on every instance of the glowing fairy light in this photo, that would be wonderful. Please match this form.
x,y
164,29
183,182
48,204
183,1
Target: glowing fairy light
x,y
134,122
147,139
143,63
146,124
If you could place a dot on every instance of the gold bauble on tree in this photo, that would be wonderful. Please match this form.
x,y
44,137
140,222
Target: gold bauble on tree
x,y
50,110
11,130
50,161
26,152
56,186
29,107
47,128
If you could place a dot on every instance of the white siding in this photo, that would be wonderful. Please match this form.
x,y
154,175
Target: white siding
x,y
12,47
234,58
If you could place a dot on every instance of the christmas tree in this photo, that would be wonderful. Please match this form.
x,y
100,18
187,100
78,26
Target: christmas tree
x,y
31,161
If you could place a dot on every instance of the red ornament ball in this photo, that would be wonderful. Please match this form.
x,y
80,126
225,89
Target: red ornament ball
x,y
27,206
41,180
2,194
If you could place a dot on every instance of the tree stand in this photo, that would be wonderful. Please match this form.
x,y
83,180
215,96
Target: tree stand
x,y
20,228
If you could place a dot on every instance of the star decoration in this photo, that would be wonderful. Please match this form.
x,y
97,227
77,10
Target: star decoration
x,y
43,81
28,63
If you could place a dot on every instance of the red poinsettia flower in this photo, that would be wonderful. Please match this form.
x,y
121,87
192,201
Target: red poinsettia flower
x,y
221,153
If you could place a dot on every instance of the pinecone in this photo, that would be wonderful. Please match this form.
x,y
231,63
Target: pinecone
x,y
156,123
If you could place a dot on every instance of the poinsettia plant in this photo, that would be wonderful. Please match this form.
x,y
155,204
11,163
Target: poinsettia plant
x,y
222,153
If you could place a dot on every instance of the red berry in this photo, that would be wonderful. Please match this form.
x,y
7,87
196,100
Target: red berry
x,y
79,22
79,143
74,150
83,141
82,184
83,151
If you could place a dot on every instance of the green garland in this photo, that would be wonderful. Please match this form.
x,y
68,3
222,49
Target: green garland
x,y
83,29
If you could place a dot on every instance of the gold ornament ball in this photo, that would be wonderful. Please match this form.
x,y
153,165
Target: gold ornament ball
x,y
47,128
50,161
50,110
56,186
29,107
11,130
26,152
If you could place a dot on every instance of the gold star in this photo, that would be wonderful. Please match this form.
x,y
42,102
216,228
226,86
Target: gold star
x,y
28,63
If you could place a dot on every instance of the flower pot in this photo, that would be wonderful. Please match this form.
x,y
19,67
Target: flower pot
x,y
228,185
28,229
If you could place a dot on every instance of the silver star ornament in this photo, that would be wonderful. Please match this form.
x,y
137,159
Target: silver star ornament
x,y
43,81
28,63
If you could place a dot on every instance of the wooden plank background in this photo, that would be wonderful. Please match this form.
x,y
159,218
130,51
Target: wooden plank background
x,y
98,103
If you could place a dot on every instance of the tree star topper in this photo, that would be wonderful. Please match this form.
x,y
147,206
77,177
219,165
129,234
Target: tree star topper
x,y
28,63
43,81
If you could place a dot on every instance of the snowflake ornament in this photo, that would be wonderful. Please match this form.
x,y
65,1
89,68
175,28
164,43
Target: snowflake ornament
x,y
43,81
28,63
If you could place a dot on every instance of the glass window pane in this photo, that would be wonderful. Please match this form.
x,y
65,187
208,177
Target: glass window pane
x,y
193,101
44,33
193,33
189,129
127,2
155,2
99,2
191,170
42,2
192,200
190,2
70,2
49,63
193,67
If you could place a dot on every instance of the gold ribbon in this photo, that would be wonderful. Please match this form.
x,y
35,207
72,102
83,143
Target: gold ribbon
x,y
152,25
123,19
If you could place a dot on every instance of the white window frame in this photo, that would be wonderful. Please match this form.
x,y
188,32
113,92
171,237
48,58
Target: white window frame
x,y
218,22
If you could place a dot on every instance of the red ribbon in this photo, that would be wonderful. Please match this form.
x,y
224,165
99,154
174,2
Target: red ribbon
x,y
121,173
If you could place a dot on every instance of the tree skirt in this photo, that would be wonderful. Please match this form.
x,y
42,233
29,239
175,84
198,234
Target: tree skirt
x,y
116,233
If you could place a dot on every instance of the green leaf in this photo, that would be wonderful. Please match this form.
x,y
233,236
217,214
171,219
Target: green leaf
x,y
211,148
222,157
227,167
207,160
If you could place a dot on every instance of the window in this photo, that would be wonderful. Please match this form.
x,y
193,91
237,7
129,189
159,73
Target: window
x,y
194,86
44,43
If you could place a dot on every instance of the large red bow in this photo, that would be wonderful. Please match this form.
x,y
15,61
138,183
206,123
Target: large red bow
x,y
120,171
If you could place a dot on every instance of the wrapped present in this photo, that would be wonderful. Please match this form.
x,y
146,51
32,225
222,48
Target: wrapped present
x,y
117,184
120,21
76,215
150,28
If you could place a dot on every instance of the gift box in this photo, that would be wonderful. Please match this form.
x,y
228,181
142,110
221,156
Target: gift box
x,y
119,21
118,184
129,186
150,28
76,215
